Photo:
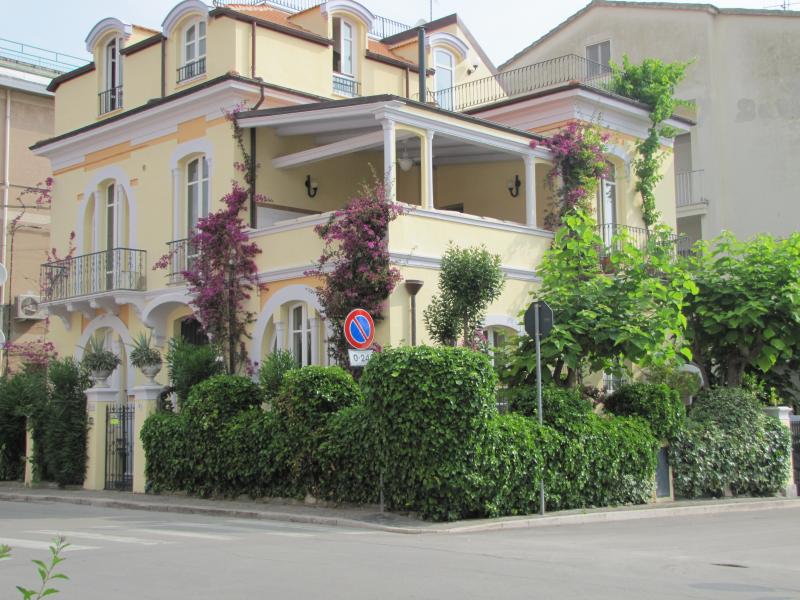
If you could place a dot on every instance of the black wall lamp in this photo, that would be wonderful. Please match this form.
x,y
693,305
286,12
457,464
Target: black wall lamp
x,y
513,186
311,186
413,286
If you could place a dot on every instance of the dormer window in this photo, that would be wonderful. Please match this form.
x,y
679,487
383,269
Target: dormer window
x,y
194,51
444,65
111,96
343,50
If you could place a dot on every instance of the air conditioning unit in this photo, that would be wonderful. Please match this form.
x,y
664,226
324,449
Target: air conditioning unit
x,y
28,307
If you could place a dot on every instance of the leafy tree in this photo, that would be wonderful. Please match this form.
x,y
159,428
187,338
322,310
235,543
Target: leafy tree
x,y
611,305
653,83
469,280
354,267
746,315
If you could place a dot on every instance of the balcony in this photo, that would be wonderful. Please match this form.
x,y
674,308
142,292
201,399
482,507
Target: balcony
x,y
640,237
110,100
120,269
343,85
192,69
518,82
689,195
181,253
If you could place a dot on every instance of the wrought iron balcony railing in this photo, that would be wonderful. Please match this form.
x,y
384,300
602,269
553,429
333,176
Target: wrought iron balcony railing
x,y
689,188
639,237
107,271
181,254
192,69
346,86
110,100
517,82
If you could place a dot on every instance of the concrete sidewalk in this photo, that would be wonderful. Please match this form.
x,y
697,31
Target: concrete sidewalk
x,y
370,517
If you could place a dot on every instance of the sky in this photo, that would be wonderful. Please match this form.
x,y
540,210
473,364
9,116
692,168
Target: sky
x,y
502,27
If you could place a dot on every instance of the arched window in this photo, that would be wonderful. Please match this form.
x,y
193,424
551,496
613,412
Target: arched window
x,y
343,47
607,204
300,334
194,51
444,65
111,96
196,192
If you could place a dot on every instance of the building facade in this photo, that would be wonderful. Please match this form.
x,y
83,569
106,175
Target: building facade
x,y
327,96
733,170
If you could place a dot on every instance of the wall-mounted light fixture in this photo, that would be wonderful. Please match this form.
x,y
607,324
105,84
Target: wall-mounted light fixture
x,y
311,186
472,69
513,186
413,286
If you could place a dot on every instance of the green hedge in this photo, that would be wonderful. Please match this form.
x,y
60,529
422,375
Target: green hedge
x,y
18,396
559,405
66,426
168,463
432,407
657,404
729,444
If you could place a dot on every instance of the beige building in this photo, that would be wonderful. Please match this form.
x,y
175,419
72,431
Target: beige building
x,y
735,169
27,116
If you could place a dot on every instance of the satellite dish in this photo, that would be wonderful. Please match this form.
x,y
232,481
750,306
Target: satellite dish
x,y
3,274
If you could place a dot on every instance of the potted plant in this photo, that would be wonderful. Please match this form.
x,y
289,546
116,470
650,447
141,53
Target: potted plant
x,y
99,361
146,358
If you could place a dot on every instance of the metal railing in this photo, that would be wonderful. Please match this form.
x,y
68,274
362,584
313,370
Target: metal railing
x,y
105,271
689,188
181,253
25,54
192,69
640,238
110,99
383,27
346,86
516,82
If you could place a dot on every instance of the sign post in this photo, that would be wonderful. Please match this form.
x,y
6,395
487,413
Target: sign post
x,y
538,323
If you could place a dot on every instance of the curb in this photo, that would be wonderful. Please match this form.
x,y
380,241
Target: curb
x,y
608,516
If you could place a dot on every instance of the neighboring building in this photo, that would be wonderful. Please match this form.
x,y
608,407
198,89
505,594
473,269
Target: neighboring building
x,y
27,116
142,150
736,169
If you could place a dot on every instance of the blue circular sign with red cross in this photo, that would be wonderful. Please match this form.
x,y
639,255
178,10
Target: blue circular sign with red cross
x,y
359,329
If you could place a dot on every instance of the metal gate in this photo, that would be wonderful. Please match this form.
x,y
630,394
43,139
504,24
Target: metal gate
x,y
796,450
119,448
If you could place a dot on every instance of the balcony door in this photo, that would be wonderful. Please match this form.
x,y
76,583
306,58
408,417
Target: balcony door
x,y
197,204
607,205
112,234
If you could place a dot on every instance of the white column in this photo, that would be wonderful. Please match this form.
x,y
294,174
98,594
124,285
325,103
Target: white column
x,y
428,166
390,159
530,190
313,323
176,204
146,404
280,327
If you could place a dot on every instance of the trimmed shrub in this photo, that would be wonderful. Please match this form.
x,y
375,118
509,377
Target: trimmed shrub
x,y
249,461
308,398
273,370
559,405
728,407
432,407
67,425
169,462
657,404
348,457
188,365
18,397
213,401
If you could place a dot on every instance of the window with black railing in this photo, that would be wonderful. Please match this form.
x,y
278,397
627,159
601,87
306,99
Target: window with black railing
x,y
182,255
192,69
98,272
346,86
110,100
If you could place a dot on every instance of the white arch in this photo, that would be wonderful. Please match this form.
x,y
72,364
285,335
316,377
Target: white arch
x,y
350,7
453,43
118,327
179,11
623,155
156,312
198,146
104,26
503,321
291,293
118,175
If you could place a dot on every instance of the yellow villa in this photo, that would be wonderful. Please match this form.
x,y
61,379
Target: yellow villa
x,y
330,93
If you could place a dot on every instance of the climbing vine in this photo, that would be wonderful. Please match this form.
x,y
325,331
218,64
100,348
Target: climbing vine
x,y
579,160
653,83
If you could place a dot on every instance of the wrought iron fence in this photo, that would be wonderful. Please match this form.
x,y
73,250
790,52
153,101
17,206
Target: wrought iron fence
x,y
383,27
346,86
640,237
181,253
689,188
119,448
106,271
110,100
192,69
516,82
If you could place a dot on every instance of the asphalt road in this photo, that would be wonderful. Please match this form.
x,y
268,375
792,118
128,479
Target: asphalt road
x,y
127,555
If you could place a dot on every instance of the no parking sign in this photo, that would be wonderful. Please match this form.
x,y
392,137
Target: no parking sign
x,y
359,331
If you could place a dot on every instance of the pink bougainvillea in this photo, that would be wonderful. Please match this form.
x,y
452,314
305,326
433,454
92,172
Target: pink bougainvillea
x,y
354,267
35,354
579,160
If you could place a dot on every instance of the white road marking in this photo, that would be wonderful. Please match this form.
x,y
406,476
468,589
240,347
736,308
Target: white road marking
x,y
186,534
101,536
287,534
39,545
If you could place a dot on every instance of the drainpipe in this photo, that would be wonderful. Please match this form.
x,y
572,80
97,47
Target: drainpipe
x,y
408,87
253,50
6,187
163,67
253,219
423,92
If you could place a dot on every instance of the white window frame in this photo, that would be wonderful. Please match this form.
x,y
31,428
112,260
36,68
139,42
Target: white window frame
x,y
597,48
201,188
195,43
444,68
608,222
343,24
306,355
